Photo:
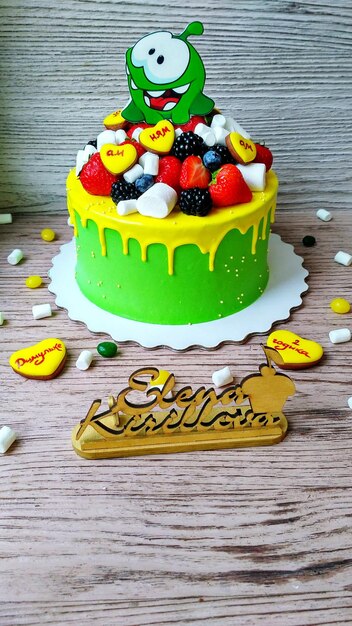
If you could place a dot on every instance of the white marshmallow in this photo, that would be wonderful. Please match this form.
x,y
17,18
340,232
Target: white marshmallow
x,y
349,402
254,175
220,134
89,150
41,310
157,201
2,319
84,360
209,139
136,133
81,159
178,132
218,120
15,257
201,129
151,163
343,258
141,160
222,377
6,218
125,207
7,437
135,172
107,136
120,136
324,215
340,335
235,127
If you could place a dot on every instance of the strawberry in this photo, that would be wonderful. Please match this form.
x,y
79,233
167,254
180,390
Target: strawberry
x,y
196,119
263,155
137,145
169,172
194,173
131,130
229,187
95,178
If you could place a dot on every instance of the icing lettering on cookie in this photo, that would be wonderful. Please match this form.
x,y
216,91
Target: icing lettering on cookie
x,y
242,149
296,352
159,138
42,361
115,121
118,159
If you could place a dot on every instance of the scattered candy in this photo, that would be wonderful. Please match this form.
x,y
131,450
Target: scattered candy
x,y
2,319
84,360
324,215
349,402
254,175
222,377
118,159
150,163
107,349
158,201
296,352
106,137
159,138
343,258
15,257
308,241
6,218
125,207
132,174
42,361
242,149
33,282
340,305
120,136
7,437
41,310
340,335
47,234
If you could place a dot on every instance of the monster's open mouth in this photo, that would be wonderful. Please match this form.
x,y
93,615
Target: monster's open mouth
x,y
164,100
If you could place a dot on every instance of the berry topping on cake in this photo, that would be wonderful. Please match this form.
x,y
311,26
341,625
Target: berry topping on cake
x,y
264,155
169,172
188,144
194,173
95,178
124,191
212,160
136,144
224,153
229,187
193,122
134,127
144,182
195,201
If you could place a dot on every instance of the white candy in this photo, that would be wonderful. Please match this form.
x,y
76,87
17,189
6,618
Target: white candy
x,y
107,136
69,222
41,310
141,160
89,150
349,402
125,207
84,360
218,120
220,134
178,132
15,257
81,159
324,215
235,127
7,437
151,163
6,218
222,377
136,133
341,335
209,139
1,319
120,136
157,201
343,258
135,172
254,175
201,129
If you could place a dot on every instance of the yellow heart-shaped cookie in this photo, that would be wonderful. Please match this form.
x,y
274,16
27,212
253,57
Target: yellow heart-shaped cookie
x,y
297,352
114,121
118,159
242,149
159,138
44,360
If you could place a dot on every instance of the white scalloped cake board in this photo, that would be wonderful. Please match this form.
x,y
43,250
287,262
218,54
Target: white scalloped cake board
x,y
283,293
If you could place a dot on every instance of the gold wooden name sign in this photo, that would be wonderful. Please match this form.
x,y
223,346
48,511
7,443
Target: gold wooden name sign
x,y
185,420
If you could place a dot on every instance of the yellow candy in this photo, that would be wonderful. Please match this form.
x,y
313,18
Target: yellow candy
x,y
159,138
118,159
340,305
47,234
115,120
44,360
296,351
244,150
33,282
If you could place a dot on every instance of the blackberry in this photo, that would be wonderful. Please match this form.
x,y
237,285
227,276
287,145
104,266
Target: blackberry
x,y
188,143
93,143
123,191
195,201
224,153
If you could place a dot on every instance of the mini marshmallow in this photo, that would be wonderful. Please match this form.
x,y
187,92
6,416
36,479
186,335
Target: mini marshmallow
x,y
141,160
1,319
6,218
222,377
235,127
41,310
89,150
209,139
7,437
120,136
136,133
343,258
218,120
178,132
81,159
135,172
125,207
349,402
324,215
220,134
254,175
340,335
151,164
201,129
84,360
157,201
107,136
15,257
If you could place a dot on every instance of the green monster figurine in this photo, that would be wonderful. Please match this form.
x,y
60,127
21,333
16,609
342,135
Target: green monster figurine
x,y
166,77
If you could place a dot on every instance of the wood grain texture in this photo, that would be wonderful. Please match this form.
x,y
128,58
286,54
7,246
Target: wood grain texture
x,y
281,68
224,538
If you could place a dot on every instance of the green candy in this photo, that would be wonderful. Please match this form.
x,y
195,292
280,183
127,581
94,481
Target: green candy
x,y
107,349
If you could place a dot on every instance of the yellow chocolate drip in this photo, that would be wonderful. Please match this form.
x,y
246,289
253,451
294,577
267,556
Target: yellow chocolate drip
x,y
177,229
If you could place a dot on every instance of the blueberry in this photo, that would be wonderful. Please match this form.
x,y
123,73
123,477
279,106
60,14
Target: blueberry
x,y
212,160
144,182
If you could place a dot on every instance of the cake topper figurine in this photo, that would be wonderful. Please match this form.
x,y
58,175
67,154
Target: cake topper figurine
x,y
166,77
187,420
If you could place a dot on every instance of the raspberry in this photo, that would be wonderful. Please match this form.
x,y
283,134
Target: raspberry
x,y
124,191
224,153
169,172
95,178
195,201
188,144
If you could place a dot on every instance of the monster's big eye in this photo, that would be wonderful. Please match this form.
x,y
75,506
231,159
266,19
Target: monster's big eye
x,y
163,57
